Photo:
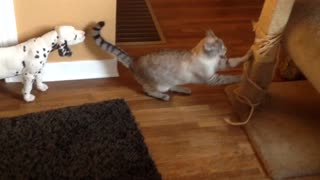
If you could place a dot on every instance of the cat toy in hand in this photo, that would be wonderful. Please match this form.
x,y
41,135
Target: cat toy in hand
x,y
28,58
164,71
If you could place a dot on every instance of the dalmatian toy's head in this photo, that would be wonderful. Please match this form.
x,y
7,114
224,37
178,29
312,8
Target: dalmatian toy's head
x,y
68,35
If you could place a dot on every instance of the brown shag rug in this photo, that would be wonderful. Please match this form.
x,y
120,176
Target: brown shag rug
x,y
91,141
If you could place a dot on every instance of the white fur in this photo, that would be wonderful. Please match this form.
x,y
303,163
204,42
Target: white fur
x,y
28,58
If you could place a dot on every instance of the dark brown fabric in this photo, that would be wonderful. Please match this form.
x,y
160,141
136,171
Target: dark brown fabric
x,y
91,141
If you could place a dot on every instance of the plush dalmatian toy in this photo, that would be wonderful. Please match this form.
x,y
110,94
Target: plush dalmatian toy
x,y
28,58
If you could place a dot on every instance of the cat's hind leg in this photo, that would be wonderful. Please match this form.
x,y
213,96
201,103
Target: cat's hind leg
x,y
156,93
181,90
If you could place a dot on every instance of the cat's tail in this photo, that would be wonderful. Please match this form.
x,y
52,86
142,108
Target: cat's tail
x,y
121,55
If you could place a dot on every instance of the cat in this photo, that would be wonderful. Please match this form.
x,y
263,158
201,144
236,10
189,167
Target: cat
x,y
164,71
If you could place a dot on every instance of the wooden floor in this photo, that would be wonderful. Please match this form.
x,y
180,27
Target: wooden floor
x,y
187,137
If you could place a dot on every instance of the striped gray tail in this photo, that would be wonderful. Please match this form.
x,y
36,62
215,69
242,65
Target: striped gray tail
x,y
121,55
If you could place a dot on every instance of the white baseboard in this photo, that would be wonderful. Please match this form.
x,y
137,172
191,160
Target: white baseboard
x,y
76,70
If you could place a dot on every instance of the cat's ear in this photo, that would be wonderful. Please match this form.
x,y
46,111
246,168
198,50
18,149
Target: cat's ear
x,y
214,46
210,33
209,44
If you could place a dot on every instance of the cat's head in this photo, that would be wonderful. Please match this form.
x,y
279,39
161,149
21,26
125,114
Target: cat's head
x,y
210,46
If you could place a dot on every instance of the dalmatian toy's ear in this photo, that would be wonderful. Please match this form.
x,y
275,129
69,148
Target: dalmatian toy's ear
x,y
63,48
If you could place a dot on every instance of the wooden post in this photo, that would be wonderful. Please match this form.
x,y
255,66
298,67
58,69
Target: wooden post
x,y
259,71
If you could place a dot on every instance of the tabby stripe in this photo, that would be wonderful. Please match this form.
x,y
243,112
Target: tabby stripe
x,y
109,47
112,48
101,43
116,52
96,36
96,28
98,41
122,56
104,46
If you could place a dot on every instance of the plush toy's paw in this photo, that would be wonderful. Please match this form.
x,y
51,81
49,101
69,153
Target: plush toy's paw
x,y
29,97
42,87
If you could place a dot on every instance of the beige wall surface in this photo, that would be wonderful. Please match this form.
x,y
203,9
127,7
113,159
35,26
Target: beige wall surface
x,y
35,17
